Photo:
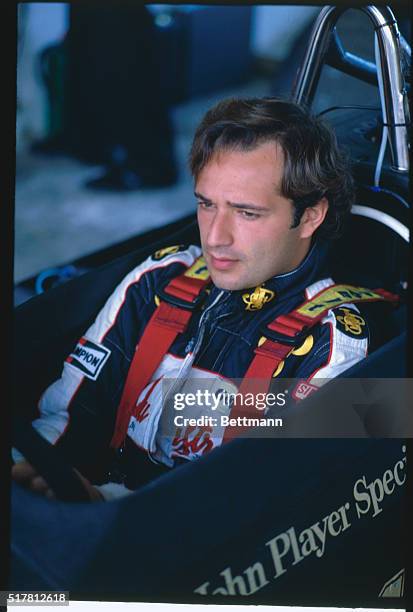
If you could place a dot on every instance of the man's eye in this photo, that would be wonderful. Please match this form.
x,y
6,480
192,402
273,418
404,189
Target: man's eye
x,y
249,215
205,205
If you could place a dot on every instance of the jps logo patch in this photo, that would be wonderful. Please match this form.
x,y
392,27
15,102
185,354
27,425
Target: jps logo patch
x,y
89,358
257,299
350,322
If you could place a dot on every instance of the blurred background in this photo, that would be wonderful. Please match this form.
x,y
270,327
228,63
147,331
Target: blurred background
x,y
108,98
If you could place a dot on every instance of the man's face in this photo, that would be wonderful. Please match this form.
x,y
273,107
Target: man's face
x,y
244,221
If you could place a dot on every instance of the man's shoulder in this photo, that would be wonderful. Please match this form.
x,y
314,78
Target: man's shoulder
x,y
137,291
329,295
163,264
354,316
341,334
181,253
343,307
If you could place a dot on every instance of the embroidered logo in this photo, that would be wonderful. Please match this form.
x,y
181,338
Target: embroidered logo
x,y
352,322
303,390
187,445
167,251
142,408
257,299
88,357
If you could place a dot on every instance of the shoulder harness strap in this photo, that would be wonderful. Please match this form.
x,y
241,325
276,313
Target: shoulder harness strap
x,y
288,331
175,305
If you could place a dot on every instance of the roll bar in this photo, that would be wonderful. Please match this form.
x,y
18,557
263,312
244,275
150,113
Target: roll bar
x,y
324,45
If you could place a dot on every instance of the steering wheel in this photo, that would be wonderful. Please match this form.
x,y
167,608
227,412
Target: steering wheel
x,y
48,461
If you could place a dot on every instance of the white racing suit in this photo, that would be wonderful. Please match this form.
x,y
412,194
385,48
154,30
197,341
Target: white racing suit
x,y
78,411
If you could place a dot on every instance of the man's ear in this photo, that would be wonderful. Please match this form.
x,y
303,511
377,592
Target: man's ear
x,y
312,218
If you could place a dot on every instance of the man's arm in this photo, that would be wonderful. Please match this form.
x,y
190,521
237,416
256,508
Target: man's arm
x,y
77,412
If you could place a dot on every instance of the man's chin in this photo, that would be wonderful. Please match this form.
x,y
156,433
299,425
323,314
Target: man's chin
x,y
230,280
227,283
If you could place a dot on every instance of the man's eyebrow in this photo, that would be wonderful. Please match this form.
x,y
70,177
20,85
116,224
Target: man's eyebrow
x,y
238,205
202,197
247,206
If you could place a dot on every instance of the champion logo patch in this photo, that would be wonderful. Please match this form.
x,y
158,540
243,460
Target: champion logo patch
x,y
88,357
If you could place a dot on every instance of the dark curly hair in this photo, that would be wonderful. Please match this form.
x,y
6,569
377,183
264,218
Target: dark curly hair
x,y
314,167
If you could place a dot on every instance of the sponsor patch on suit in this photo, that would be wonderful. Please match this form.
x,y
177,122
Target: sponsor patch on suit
x,y
350,323
88,357
158,255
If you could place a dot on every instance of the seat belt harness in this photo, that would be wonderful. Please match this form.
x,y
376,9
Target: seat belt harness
x,y
288,331
178,300
184,294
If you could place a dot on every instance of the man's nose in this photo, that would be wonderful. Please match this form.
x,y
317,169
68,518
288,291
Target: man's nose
x,y
220,231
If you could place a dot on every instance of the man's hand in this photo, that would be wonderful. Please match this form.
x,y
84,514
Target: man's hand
x,y
27,476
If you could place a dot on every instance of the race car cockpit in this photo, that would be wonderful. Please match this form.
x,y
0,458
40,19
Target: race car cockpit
x,y
287,520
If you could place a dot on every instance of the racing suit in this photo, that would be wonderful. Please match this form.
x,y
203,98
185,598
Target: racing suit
x,y
78,411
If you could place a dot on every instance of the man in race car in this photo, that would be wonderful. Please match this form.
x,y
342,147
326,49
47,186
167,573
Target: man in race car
x,y
257,301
